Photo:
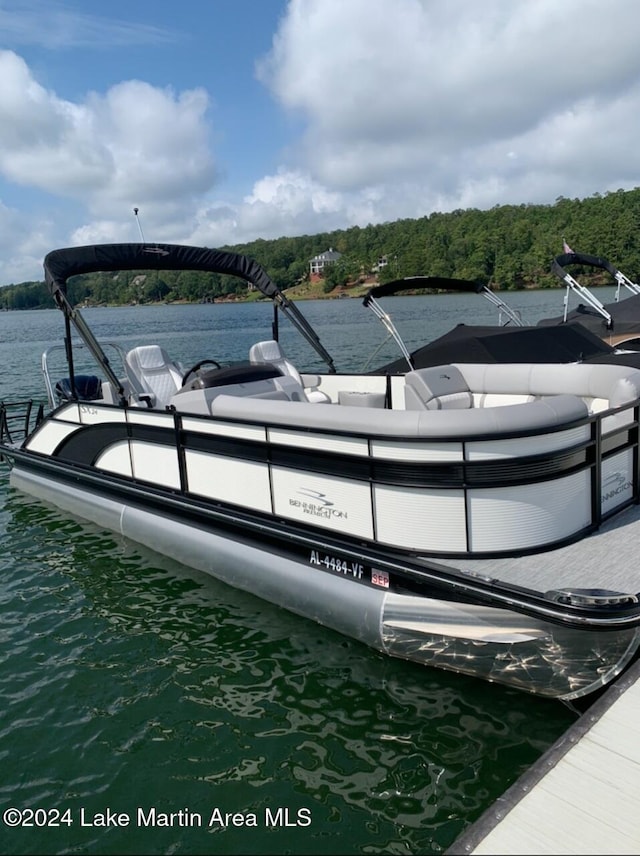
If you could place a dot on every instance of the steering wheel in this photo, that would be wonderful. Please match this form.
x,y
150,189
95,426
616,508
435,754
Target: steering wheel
x,y
197,367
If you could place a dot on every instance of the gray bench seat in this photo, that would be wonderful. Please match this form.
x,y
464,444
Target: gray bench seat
x,y
553,412
467,385
617,385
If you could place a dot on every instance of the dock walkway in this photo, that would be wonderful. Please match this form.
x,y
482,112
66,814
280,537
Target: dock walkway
x,y
581,797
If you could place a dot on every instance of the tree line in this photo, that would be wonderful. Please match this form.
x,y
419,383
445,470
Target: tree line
x,y
508,247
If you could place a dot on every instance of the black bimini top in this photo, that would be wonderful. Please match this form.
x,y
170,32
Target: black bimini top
x,y
61,265
408,283
561,261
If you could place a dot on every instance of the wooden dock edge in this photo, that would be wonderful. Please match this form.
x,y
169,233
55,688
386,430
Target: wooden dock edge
x,y
467,842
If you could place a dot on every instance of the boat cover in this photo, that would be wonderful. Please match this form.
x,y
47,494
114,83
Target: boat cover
x,y
625,315
493,344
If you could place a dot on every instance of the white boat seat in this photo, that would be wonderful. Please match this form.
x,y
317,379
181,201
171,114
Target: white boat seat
x,y
271,352
154,377
548,413
437,388
600,385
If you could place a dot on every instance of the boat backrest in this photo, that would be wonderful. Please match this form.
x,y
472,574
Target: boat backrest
x,y
600,385
153,374
471,385
553,412
271,352
242,379
437,388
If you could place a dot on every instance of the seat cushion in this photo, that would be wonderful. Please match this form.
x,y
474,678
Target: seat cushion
x,y
437,388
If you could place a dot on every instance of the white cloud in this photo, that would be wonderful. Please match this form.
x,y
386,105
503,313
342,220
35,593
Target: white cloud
x,y
406,107
136,143
157,143
413,106
287,203
397,88
24,242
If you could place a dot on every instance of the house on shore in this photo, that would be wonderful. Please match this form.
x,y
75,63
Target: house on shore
x,y
319,262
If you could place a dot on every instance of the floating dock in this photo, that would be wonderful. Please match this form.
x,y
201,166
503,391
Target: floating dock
x,y
581,796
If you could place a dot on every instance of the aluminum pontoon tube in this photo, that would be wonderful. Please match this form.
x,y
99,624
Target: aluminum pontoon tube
x,y
355,611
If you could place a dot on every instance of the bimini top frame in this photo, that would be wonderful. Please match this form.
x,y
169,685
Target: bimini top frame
x,y
60,265
434,283
622,281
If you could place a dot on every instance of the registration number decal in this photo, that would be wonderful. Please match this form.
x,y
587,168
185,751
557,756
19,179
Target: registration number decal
x,y
339,566
352,570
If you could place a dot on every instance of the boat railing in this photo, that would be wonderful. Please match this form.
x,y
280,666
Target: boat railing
x,y
511,477
81,348
18,419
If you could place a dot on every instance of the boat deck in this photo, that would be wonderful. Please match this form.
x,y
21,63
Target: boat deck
x,y
581,796
607,559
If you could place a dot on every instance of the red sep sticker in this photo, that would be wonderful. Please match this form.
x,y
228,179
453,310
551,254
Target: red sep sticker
x,y
380,578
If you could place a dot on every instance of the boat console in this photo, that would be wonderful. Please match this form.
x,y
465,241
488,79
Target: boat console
x,y
242,381
235,374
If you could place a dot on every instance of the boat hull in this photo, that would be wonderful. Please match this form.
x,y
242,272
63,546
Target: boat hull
x,y
330,583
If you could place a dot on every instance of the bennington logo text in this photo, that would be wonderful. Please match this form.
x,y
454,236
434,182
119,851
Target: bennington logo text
x,y
614,485
318,506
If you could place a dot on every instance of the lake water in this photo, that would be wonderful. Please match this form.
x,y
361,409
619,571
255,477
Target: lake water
x,y
138,693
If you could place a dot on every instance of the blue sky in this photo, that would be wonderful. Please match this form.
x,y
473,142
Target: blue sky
x,y
73,48
224,121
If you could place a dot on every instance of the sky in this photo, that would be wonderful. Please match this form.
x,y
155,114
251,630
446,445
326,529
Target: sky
x,y
225,121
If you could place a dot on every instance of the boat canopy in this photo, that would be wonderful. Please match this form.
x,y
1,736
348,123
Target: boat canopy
x,y
60,265
560,262
439,283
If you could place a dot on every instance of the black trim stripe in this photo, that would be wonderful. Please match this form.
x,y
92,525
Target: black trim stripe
x,y
85,445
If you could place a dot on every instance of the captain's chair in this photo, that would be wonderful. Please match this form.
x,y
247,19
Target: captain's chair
x,y
152,374
271,352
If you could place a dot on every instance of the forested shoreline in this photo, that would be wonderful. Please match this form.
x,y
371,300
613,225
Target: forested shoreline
x,y
508,247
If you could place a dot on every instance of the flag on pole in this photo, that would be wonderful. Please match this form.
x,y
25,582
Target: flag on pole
x,y
565,247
